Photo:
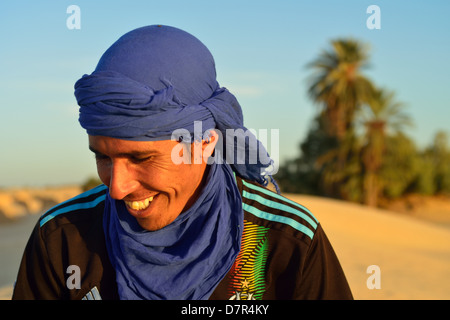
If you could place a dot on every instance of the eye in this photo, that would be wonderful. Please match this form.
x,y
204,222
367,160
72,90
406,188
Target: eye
x,y
100,157
139,160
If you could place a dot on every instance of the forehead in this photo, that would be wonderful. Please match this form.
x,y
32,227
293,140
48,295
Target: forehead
x,y
117,147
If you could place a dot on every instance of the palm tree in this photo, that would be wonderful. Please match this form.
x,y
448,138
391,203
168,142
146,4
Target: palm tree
x,y
338,85
381,115
342,177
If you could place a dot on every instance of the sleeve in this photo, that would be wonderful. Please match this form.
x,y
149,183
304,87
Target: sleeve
x,y
322,276
36,278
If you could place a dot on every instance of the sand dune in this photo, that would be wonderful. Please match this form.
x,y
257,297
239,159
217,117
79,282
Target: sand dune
x,y
413,255
18,202
6,293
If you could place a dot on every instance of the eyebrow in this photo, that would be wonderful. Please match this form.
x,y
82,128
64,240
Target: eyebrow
x,y
124,154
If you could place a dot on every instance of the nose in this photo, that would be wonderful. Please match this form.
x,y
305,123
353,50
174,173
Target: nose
x,y
122,181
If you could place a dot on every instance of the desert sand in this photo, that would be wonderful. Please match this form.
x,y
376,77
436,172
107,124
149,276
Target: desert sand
x,y
18,202
412,253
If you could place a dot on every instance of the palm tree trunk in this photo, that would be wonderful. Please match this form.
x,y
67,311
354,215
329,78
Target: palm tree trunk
x,y
371,189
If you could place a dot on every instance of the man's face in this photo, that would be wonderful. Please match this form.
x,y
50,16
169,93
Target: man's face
x,y
143,175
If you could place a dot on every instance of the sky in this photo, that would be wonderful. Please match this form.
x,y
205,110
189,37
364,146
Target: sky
x,y
261,49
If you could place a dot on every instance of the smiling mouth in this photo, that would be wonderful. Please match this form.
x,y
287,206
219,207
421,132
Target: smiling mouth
x,y
139,205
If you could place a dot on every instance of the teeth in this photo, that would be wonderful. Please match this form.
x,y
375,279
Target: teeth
x,y
139,205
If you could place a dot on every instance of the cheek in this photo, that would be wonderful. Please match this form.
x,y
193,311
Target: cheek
x,y
187,180
176,181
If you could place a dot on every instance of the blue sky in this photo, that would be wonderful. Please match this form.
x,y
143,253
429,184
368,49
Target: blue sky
x,y
261,49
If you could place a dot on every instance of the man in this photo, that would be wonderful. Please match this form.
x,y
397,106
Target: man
x,y
182,213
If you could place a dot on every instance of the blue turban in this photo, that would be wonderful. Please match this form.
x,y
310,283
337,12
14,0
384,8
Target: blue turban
x,y
158,79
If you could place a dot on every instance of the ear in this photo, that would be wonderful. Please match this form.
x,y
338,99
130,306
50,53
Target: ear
x,y
209,145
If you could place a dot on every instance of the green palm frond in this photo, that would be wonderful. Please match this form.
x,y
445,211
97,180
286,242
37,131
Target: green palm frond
x,y
337,84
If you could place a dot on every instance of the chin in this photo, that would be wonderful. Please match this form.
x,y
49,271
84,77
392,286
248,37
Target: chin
x,y
152,224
